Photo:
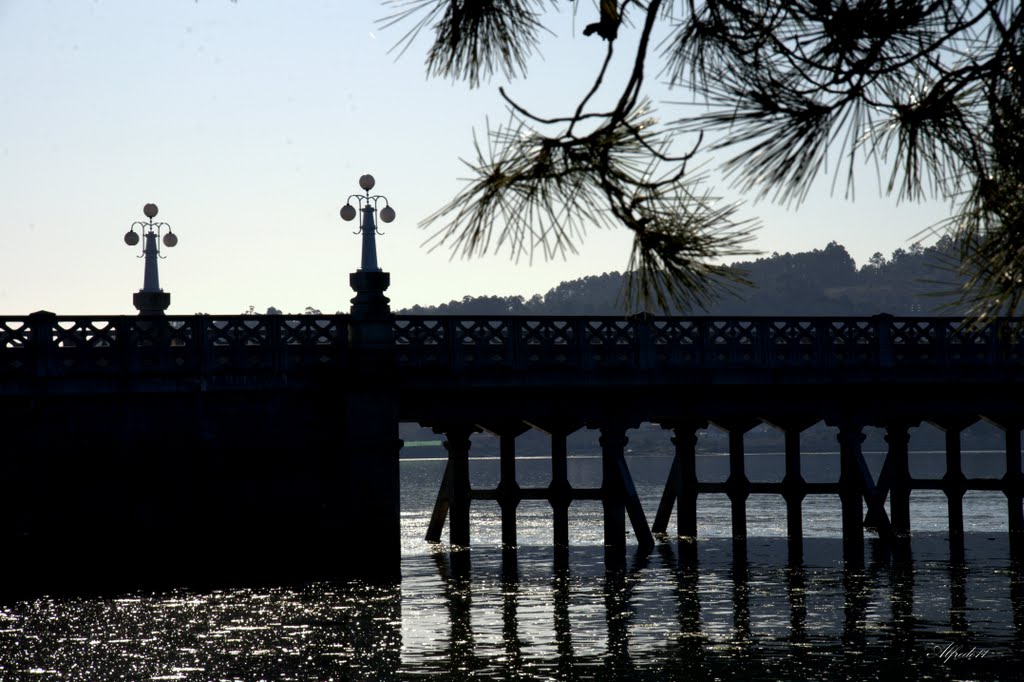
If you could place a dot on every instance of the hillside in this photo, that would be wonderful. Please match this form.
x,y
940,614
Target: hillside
x,y
915,281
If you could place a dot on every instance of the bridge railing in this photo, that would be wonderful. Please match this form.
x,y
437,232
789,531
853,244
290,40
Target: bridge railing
x,y
51,345
880,341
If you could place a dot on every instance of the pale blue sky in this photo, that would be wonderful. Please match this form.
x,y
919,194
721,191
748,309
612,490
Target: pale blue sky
x,y
249,123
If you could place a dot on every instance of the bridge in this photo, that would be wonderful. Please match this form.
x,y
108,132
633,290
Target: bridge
x,y
269,444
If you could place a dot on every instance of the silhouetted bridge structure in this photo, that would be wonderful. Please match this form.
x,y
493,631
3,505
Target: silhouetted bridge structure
x,y
162,443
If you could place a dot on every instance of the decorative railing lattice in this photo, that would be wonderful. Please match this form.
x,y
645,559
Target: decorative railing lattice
x,y
789,342
47,345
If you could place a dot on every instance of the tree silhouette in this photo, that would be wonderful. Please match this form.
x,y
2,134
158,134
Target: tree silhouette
x,y
929,90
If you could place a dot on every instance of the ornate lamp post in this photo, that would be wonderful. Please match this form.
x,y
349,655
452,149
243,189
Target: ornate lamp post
x,y
369,282
368,205
151,299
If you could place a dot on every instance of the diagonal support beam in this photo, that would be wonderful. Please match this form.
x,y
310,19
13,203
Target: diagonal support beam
x,y
668,499
633,508
872,497
440,513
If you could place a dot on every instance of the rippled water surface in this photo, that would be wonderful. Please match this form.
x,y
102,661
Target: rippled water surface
x,y
485,614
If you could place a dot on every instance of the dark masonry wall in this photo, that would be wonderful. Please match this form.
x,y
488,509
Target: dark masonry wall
x,y
143,488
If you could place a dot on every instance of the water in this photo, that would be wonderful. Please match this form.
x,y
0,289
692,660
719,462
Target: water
x,y
482,615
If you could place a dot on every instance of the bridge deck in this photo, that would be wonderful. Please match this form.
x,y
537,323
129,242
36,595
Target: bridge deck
x,y
238,391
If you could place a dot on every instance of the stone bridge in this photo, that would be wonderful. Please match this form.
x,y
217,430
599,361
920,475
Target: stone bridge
x,y
270,443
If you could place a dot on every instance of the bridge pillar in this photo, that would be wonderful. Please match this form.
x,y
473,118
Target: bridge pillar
x,y
509,495
737,486
681,487
457,444
619,496
794,487
897,468
1013,480
613,444
850,437
559,490
372,524
954,483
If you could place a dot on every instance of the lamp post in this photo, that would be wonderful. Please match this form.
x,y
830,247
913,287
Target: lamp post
x,y
369,281
368,205
151,299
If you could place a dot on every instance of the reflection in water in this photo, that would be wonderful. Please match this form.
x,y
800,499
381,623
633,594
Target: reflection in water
x,y
494,614
672,616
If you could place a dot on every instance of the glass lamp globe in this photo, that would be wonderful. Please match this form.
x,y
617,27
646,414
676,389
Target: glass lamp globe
x,y
150,210
367,182
387,214
170,239
130,238
348,212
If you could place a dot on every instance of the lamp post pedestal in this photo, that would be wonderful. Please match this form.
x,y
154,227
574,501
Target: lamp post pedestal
x,y
151,302
370,303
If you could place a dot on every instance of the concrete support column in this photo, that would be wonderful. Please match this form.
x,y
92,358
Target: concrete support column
x,y
897,435
1013,481
850,438
509,495
619,496
794,487
508,490
954,483
457,444
737,486
794,490
559,490
613,445
681,486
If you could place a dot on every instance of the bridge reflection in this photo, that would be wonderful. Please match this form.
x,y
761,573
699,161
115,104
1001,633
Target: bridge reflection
x,y
666,617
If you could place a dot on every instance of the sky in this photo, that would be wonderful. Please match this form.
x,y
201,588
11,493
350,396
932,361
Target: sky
x,y
249,123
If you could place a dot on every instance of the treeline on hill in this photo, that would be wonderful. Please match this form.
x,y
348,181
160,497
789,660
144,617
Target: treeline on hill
x,y
914,281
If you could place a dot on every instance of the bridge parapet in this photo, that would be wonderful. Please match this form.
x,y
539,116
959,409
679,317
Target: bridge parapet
x,y
882,341
45,345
